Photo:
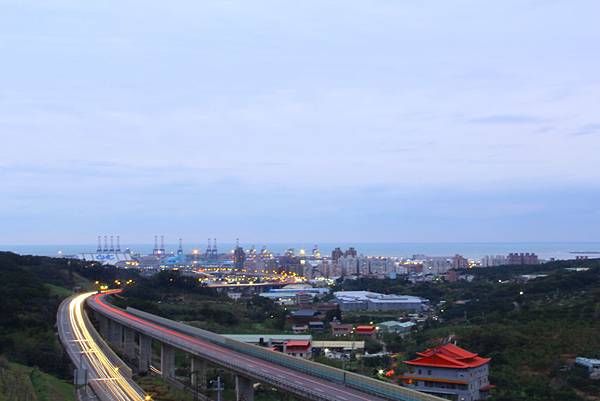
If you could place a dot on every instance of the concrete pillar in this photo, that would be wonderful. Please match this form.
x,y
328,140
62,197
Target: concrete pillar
x,y
145,353
116,335
198,373
167,361
104,324
128,343
244,390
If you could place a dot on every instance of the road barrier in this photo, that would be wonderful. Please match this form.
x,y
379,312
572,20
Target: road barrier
x,y
353,380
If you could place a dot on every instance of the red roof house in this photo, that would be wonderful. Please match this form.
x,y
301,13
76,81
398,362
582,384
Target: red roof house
x,y
448,356
366,330
450,372
301,348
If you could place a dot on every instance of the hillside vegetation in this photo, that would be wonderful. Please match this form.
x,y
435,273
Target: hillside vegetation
x,y
532,330
32,289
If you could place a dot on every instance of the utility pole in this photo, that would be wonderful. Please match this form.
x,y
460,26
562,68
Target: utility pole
x,y
218,387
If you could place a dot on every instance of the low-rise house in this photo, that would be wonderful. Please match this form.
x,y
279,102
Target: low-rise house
x,y
299,348
316,326
300,328
592,365
366,331
394,326
340,329
449,371
303,316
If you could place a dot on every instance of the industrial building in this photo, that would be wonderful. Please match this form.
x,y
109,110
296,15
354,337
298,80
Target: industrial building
x,y
372,301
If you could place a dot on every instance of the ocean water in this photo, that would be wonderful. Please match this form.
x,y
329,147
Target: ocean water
x,y
474,250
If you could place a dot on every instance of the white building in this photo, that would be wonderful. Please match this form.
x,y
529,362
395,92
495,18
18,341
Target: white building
x,y
366,300
493,260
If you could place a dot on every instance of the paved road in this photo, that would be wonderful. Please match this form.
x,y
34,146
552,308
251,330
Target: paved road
x,y
290,380
77,336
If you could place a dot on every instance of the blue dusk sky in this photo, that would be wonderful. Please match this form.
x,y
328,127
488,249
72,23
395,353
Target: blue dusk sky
x,y
279,121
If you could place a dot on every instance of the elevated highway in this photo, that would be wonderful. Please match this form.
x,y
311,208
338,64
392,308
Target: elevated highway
x,y
304,379
104,376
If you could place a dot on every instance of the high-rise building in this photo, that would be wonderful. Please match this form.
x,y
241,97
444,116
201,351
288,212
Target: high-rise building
x,y
239,256
316,252
493,260
336,254
522,259
459,262
351,252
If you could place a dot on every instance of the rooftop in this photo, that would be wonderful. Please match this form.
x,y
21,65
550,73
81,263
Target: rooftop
x,y
365,329
395,323
255,338
298,343
362,296
304,313
339,344
448,356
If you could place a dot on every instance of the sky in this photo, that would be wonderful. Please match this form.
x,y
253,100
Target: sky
x,y
280,121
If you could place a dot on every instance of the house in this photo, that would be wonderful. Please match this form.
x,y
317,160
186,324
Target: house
x,y
366,331
299,348
340,329
300,328
316,326
449,371
394,326
303,316
592,365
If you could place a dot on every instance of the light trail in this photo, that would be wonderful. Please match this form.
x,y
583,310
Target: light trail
x,y
103,370
308,380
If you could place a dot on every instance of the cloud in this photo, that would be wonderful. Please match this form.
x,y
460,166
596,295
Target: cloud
x,y
588,129
508,119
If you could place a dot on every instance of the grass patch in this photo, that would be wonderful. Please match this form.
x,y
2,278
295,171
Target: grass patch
x,y
23,383
57,291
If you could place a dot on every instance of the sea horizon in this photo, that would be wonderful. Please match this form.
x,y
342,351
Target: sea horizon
x,y
473,250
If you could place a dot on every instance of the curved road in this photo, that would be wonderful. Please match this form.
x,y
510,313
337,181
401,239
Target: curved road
x,y
290,380
78,338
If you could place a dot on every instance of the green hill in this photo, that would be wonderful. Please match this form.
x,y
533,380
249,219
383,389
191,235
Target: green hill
x,y
32,289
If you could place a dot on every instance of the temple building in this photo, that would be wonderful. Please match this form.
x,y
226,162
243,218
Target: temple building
x,y
450,372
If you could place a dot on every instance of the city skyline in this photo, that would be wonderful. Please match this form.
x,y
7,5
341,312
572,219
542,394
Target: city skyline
x,y
322,122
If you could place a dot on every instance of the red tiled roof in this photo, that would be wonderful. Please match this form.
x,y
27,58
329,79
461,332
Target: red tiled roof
x,y
365,329
297,343
448,356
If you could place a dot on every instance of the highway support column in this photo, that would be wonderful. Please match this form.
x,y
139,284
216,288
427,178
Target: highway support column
x,y
104,324
145,353
244,389
128,343
198,373
167,361
116,335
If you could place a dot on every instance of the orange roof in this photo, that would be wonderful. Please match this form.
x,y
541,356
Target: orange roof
x,y
365,329
297,343
448,356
